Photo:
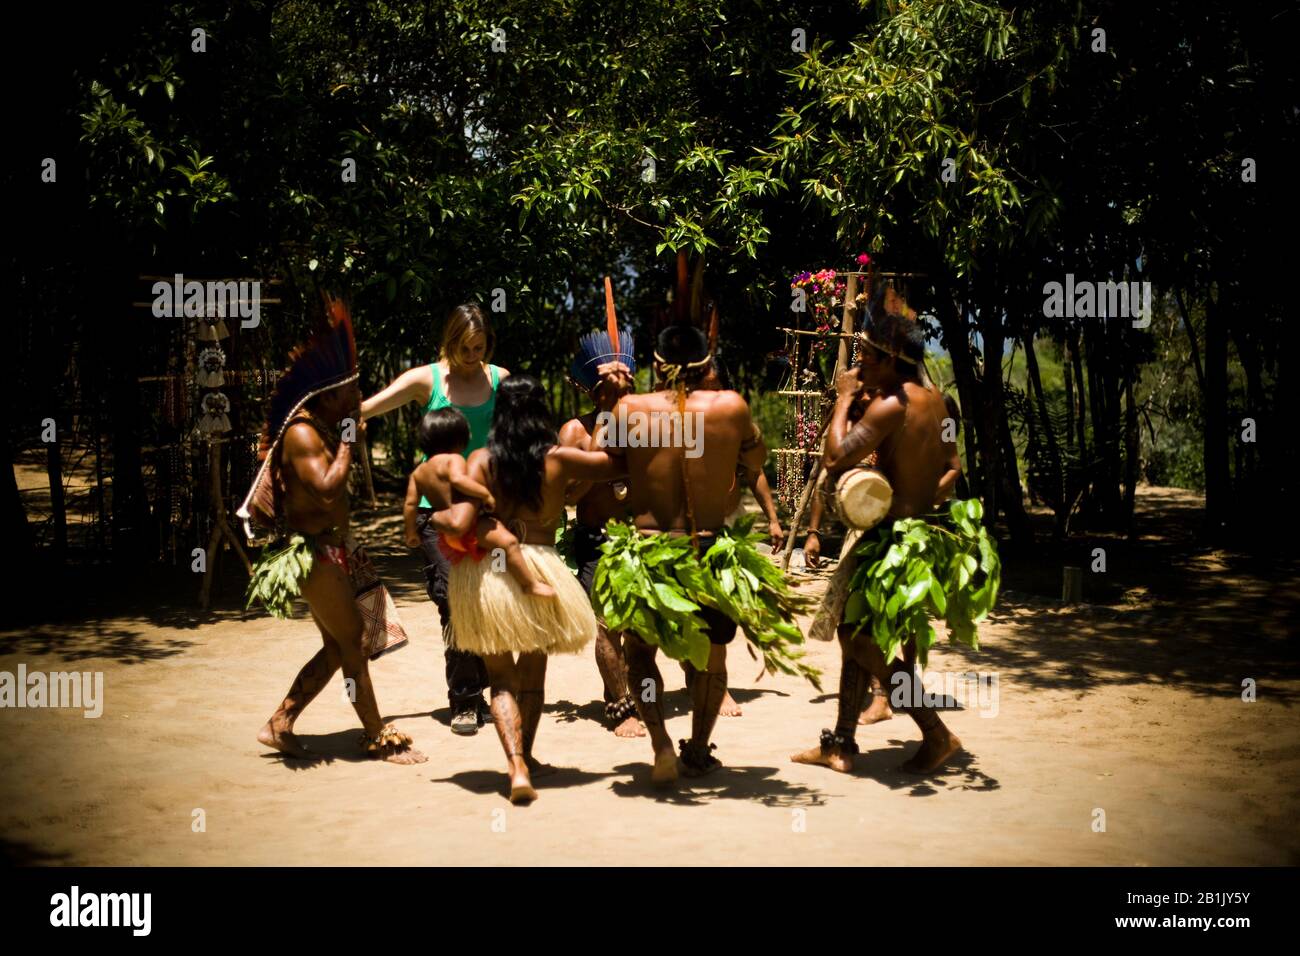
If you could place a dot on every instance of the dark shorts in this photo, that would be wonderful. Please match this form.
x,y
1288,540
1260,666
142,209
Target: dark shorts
x,y
586,552
721,628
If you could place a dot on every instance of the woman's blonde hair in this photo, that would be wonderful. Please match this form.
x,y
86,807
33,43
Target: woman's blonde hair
x,y
464,322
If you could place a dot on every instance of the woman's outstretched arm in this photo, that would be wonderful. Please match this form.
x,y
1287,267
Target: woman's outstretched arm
x,y
413,385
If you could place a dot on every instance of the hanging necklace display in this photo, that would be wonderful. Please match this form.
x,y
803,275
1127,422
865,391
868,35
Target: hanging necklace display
x,y
212,327
216,415
211,368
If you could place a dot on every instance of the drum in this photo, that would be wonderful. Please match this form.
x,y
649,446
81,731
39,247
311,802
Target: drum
x,y
862,497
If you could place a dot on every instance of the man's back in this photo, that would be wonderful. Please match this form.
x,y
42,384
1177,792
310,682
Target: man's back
x,y
715,425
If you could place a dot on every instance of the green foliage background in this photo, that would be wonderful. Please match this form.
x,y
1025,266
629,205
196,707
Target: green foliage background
x,y
782,135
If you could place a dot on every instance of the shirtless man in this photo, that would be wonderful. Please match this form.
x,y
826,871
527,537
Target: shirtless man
x,y
312,467
904,422
669,494
597,503
877,708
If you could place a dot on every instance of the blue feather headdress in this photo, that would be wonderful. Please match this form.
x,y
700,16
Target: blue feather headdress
x,y
594,349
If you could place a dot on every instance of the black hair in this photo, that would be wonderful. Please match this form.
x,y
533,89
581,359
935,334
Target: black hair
x,y
443,430
681,345
893,329
523,431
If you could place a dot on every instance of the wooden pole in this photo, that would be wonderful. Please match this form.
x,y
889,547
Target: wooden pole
x,y
220,526
54,472
841,363
365,470
1071,585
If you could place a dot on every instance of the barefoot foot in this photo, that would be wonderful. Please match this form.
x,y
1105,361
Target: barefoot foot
x,y
831,757
632,727
934,752
279,736
664,773
729,707
876,711
405,757
521,786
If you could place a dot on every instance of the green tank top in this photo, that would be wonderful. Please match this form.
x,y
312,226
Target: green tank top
x,y
478,416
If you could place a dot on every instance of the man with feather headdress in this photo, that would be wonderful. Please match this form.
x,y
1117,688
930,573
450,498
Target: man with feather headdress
x,y
300,496
603,369
675,578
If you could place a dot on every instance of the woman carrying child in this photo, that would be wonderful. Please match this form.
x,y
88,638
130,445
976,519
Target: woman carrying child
x,y
463,380
525,472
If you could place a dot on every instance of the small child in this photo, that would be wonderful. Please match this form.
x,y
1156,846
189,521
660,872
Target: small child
x,y
444,434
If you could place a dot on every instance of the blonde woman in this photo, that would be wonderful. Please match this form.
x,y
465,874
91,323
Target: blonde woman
x,y
461,378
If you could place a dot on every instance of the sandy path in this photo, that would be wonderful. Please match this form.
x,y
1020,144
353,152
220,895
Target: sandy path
x,y
1126,709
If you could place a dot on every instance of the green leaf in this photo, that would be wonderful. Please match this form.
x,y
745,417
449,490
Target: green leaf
x,y
856,607
937,596
673,599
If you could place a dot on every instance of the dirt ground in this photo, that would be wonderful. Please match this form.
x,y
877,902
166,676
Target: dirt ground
x,y
1132,707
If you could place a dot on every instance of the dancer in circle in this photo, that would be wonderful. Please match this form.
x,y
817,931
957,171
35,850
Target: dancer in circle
x,y
463,379
527,471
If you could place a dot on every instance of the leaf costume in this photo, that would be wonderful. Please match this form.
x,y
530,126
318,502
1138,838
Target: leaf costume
x,y
912,569
656,586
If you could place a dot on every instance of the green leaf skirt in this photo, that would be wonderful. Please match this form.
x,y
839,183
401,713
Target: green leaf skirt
x,y
654,585
911,570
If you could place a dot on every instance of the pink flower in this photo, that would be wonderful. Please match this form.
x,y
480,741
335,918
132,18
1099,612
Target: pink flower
x,y
863,259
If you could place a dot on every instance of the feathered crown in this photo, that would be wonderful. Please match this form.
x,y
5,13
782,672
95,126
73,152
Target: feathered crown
x,y
594,349
682,327
326,361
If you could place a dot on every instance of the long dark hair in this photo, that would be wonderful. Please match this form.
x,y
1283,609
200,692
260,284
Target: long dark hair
x,y
523,431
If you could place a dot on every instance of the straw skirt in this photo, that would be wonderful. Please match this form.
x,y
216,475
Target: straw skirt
x,y
491,615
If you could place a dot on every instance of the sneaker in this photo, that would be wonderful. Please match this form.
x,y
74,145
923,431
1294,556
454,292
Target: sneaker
x,y
465,722
484,713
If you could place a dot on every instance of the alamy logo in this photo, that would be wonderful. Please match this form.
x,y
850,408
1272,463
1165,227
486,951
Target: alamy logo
x,y
632,429
197,300
1091,300
81,689
976,691
103,909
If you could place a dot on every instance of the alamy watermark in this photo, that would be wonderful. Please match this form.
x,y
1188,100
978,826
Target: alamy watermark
x,y
196,300
76,689
973,690
1091,300
74,908
624,428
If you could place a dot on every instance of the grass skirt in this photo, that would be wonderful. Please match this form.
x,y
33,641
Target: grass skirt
x,y
491,615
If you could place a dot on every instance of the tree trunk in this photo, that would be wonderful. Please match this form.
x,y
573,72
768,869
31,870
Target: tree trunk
x,y
993,421
1076,362
953,321
15,528
1061,501
1215,446
1132,447
1191,337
